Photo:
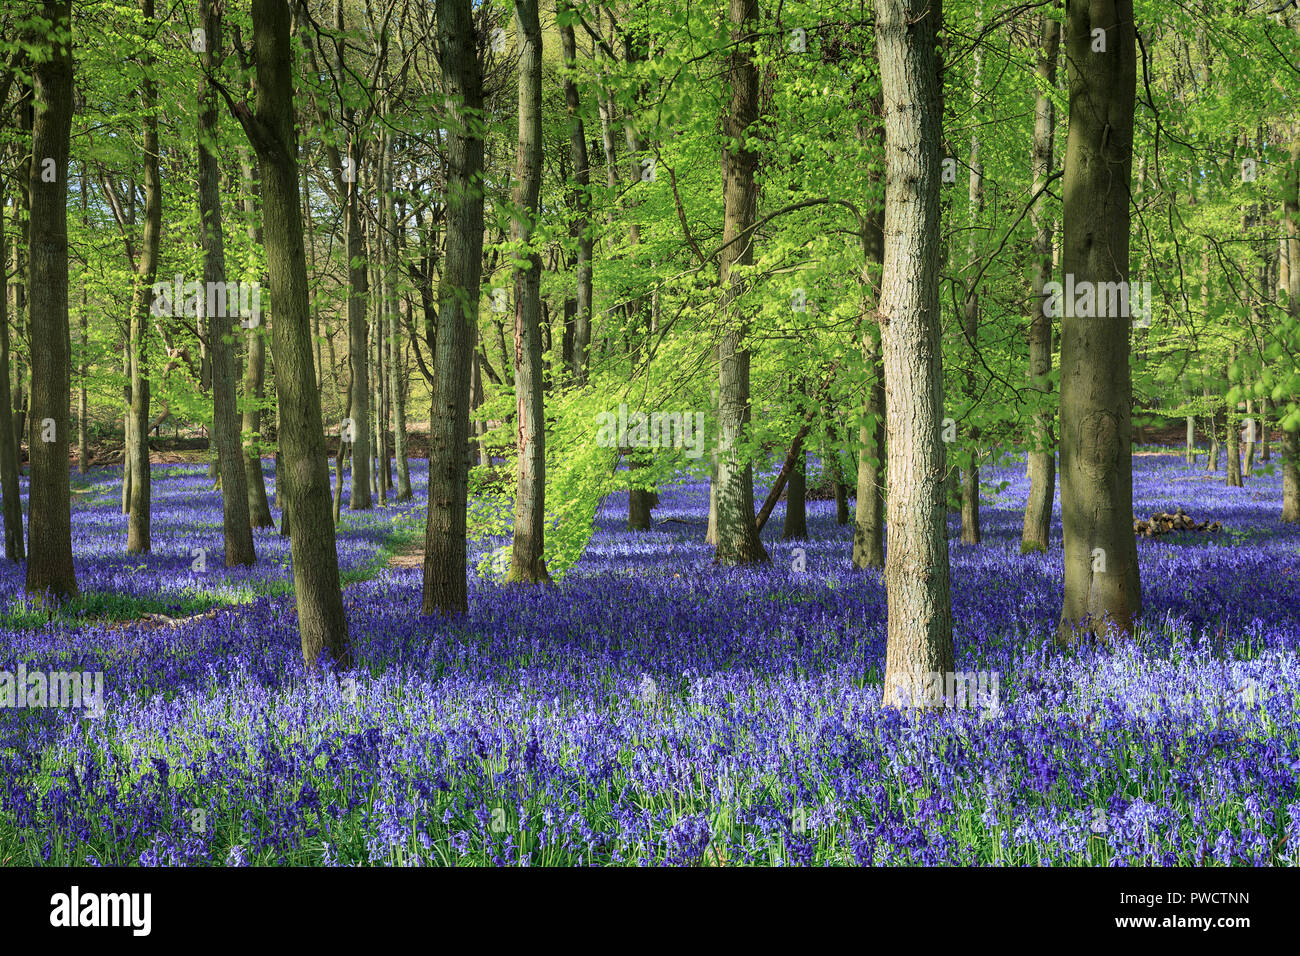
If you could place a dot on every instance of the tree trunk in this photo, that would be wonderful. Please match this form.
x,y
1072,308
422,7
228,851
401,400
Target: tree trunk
x,y
50,572
581,225
300,433
527,561
1102,586
83,322
13,506
869,518
970,485
237,531
795,526
138,521
1036,533
259,507
916,569
737,532
458,296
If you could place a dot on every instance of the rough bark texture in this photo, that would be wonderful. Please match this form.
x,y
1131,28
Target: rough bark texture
x,y
237,531
301,435
1102,589
869,517
795,525
13,506
737,533
970,479
916,569
581,226
138,520
49,567
458,296
1291,440
527,564
1036,532
259,507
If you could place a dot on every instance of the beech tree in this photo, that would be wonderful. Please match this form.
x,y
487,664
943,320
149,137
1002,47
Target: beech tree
x,y
50,570
916,565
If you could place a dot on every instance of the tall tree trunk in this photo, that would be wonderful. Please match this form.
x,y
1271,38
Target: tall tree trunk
x,y
259,507
1291,439
300,433
581,225
527,562
237,531
358,348
970,484
50,570
138,521
917,582
396,363
1102,587
1035,534
737,532
13,505
83,323
869,517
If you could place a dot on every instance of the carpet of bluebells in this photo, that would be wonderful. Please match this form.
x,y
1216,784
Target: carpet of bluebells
x,y
653,709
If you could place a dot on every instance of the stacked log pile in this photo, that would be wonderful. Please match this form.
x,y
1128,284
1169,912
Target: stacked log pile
x,y
1165,523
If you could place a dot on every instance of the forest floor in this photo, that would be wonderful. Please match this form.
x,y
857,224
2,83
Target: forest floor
x,y
653,708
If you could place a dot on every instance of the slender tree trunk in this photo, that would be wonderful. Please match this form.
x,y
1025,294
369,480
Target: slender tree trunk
x,y
1291,439
527,561
83,322
396,365
1036,533
138,521
795,526
237,531
869,517
13,506
1102,587
917,582
300,433
1233,423
970,484
737,532
259,507
581,226
50,572
358,350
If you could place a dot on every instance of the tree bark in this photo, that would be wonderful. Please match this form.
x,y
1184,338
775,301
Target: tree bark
x,y
237,531
581,226
15,549
50,572
917,582
300,433
737,533
795,525
527,561
1102,586
1036,532
138,521
259,507
458,297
